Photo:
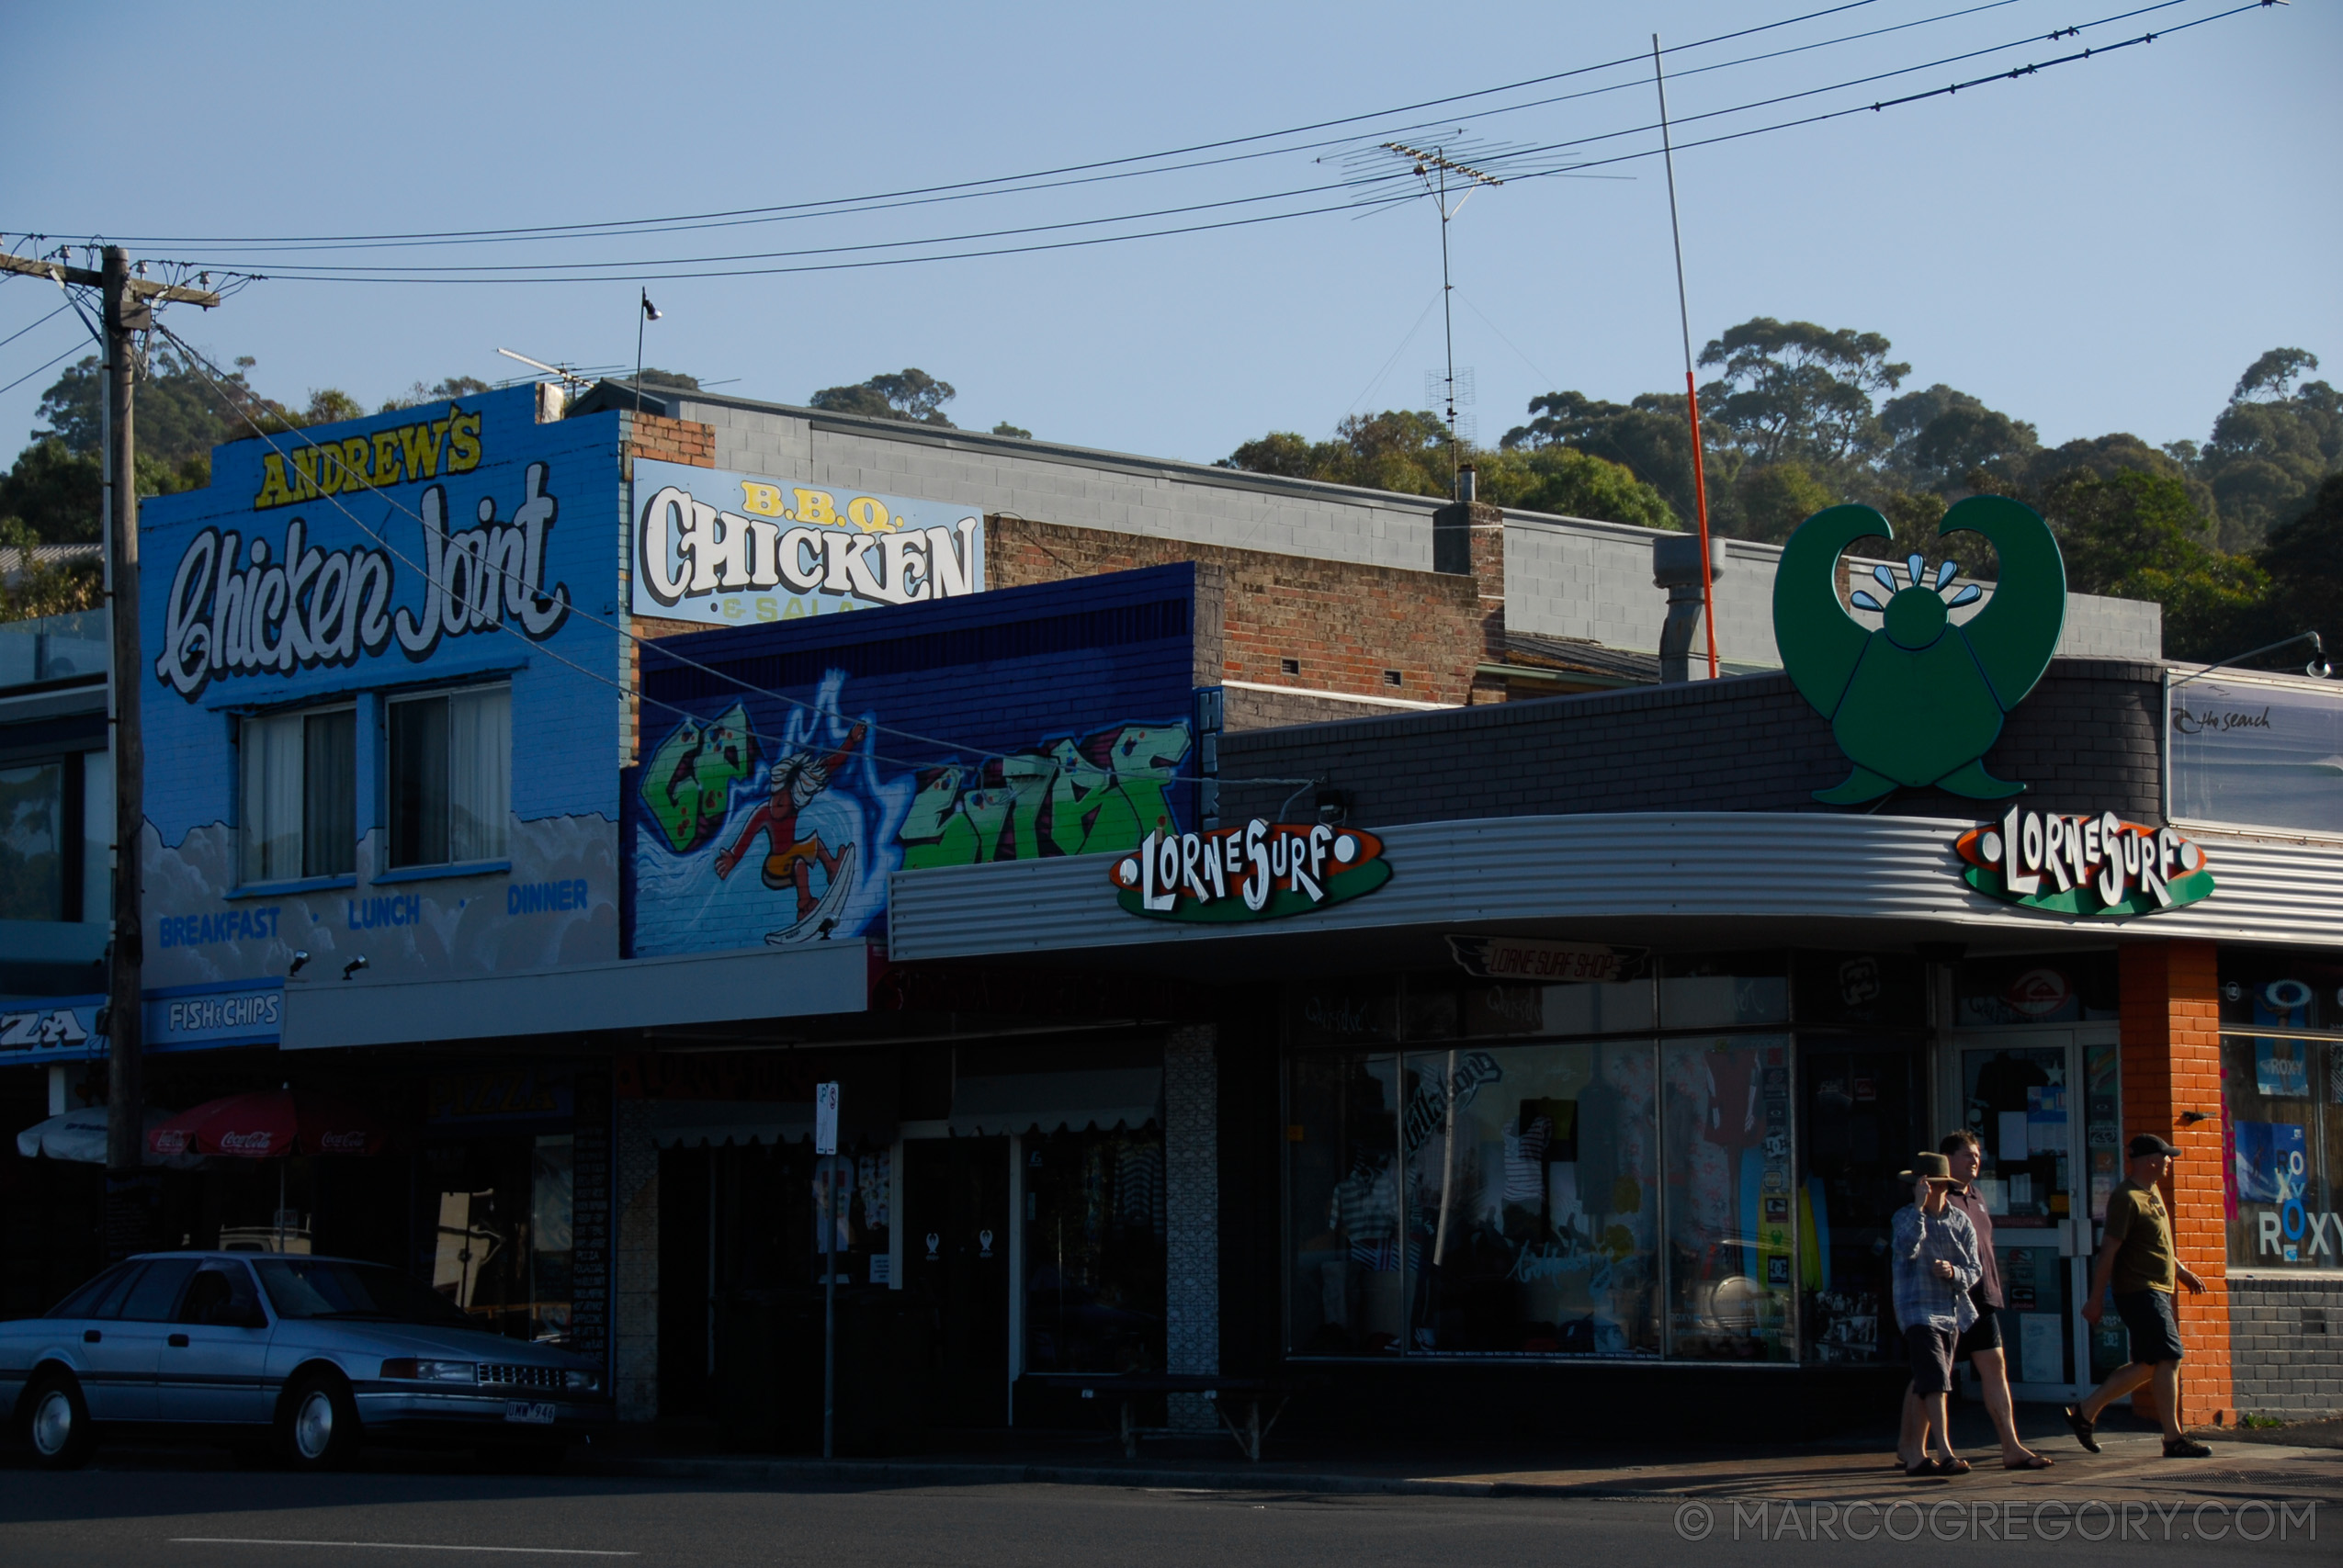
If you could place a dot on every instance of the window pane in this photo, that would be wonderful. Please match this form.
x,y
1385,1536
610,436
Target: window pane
x,y
1532,1200
480,772
1724,1115
2266,754
32,885
1094,1251
1862,1113
1719,990
1342,1143
271,759
2282,1102
419,782
157,1292
97,836
329,811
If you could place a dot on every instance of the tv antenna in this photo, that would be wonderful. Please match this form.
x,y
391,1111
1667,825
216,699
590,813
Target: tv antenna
x,y
1437,172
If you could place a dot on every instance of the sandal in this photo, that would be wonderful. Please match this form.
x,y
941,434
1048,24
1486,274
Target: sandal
x,y
2032,1462
2186,1448
1952,1466
2082,1428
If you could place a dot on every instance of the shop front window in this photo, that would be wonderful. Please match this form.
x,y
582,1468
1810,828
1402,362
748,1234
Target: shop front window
x,y
1477,1200
1094,1251
503,1250
1860,1119
2283,1101
1346,1297
1731,1238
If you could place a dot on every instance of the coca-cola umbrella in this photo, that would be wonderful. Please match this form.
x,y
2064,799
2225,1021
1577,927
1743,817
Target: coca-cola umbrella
x,y
268,1124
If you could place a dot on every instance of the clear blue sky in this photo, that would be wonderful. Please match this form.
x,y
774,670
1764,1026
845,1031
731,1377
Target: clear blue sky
x,y
2099,247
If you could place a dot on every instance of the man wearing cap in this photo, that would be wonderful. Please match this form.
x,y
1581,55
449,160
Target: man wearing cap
x,y
1934,1251
2137,1263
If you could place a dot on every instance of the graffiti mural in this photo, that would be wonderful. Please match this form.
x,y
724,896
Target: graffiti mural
x,y
745,836
1094,794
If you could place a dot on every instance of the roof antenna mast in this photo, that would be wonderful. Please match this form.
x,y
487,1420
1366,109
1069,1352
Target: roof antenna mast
x,y
1434,170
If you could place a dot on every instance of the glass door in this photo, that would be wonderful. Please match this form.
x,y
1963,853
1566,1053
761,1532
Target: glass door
x,y
956,1211
2042,1104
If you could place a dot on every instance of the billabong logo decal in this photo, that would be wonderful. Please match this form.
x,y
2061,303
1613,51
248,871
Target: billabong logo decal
x,y
1917,700
2100,866
1259,872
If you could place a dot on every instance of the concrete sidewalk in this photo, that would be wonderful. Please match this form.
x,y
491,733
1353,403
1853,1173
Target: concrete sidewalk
x,y
1860,1468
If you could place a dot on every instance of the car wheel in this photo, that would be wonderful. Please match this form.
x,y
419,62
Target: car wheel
x,y
318,1425
57,1422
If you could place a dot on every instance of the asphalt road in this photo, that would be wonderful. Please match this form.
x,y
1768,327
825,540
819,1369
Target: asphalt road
x,y
138,1511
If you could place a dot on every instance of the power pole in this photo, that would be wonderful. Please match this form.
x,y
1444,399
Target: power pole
x,y
129,309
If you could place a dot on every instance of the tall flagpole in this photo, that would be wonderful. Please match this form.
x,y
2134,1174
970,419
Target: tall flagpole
x,y
1691,390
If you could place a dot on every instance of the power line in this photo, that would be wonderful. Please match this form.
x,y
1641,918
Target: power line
x,y
381,273
980,755
584,229
30,374
20,331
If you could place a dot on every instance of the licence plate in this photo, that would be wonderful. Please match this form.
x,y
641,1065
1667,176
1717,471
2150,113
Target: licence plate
x,y
537,1414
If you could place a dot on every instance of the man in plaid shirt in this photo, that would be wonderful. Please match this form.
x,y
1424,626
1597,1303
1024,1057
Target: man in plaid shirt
x,y
1934,1250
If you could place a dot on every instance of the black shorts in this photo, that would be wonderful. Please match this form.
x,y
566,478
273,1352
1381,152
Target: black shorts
x,y
1984,1334
1930,1352
2156,1333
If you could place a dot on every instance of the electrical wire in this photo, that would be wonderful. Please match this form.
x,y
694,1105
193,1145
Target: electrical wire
x,y
979,755
384,273
605,225
30,374
20,331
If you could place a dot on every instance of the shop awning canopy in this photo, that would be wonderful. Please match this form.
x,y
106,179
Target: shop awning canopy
x,y
79,1136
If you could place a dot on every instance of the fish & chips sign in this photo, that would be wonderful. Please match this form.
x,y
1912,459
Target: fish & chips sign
x,y
1260,872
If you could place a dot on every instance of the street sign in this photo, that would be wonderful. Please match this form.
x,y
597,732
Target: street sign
x,y
825,1118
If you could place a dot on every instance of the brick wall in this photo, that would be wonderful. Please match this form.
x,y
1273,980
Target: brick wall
x,y
2171,1035
1344,623
2085,740
668,441
2286,1346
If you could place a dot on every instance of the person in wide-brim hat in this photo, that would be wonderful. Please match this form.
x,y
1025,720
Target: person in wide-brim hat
x,y
1934,1254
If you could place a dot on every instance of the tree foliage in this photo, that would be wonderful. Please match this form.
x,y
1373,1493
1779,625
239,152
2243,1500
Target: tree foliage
x,y
1407,451
911,395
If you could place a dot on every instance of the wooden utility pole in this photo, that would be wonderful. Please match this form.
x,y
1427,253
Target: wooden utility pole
x,y
129,308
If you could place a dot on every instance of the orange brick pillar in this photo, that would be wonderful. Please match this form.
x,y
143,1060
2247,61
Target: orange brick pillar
x,y
2172,1031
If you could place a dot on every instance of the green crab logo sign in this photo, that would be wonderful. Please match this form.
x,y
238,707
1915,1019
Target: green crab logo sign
x,y
1917,700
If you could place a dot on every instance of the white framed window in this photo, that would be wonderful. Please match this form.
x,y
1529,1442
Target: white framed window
x,y
300,808
451,776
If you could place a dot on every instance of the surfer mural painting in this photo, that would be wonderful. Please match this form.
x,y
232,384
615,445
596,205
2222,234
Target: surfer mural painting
x,y
779,824
794,782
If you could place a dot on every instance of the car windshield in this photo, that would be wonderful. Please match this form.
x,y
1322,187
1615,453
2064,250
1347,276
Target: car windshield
x,y
326,1288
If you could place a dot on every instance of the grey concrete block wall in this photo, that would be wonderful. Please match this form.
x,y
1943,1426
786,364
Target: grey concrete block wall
x,y
1073,485
2089,740
2286,1346
1565,576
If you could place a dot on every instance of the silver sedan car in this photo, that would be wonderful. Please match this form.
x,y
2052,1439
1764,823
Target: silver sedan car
x,y
318,1352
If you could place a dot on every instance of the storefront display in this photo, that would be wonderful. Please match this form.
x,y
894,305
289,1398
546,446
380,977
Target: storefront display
x,y
2281,1091
1094,1250
1459,1191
